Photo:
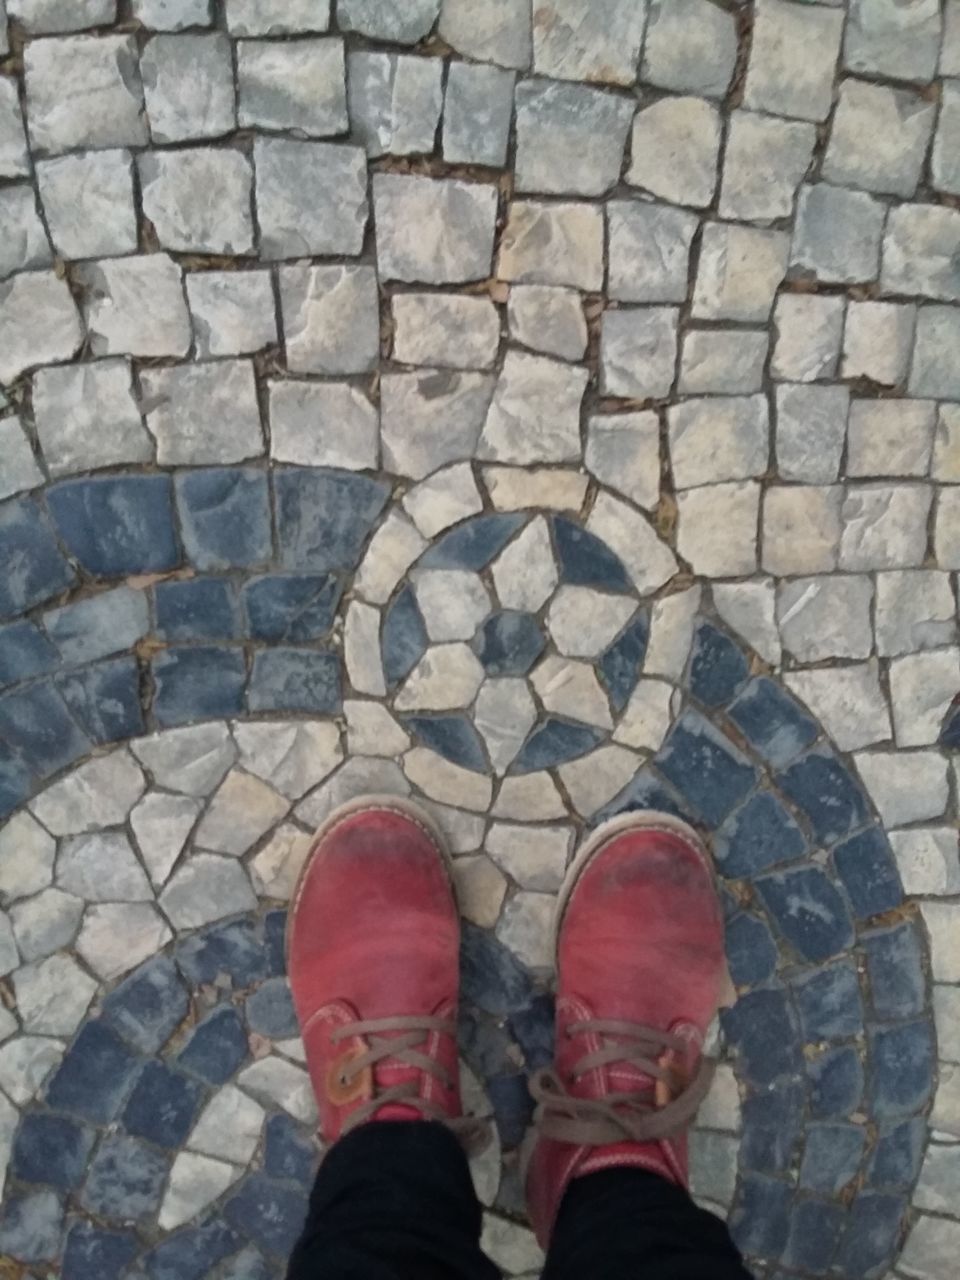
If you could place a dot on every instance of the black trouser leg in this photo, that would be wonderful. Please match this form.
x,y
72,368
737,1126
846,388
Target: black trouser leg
x,y
627,1224
393,1201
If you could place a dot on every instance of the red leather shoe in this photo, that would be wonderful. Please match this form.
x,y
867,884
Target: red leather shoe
x,y
641,972
373,943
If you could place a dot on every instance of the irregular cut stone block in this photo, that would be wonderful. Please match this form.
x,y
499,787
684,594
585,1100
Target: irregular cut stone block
x,y
884,526
945,159
599,44
921,252
431,418
296,85
276,17
922,686
19,470
765,161
801,528
135,306
879,138
808,331
331,318
87,416
444,499
188,87
172,15
199,199
722,438
946,448
399,21
638,352
649,251
739,272
84,91
890,437
14,160
23,240
934,371
570,138
717,528
438,231
489,30
914,611
553,244
478,108
722,360
887,39
233,312
674,150
447,330
88,203
950,47
534,415
793,56
311,198
826,617
877,340
811,430
48,17
394,101
39,323
690,46
203,413
837,234
323,425
623,451
946,537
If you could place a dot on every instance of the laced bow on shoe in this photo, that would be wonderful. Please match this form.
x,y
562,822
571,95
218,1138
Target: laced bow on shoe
x,y
649,1113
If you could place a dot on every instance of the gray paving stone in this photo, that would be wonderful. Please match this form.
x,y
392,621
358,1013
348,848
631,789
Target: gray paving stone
x,y
837,234
717,528
135,306
399,21
206,888
623,451
450,331
435,231
601,43
117,936
690,46
848,701
801,528
921,252
793,55
50,17
764,163
276,17
478,108
890,437
718,438
906,786
946,446
826,617
101,867
649,251
915,610
331,318
548,319
311,198
722,361
879,138
172,15
394,101
950,46
877,341
4,34
884,38
88,203
14,160
489,30
84,91
23,239
739,271
233,312
38,322
922,687
296,85
570,138
945,159
638,352
199,199
190,761
87,416
452,602
553,244
83,631
674,149
203,413
188,87
808,331
810,433
884,526
748,607
934,370
431,418
444,499
323,424
534,415
19,470
946,537
53,995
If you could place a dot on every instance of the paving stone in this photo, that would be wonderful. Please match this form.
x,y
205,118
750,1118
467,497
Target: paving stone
x,y
451,736
404,642
435,231
189,761
299,86
41,925
757,836
163,1106
548,319
52,1150
446,678
104,699
24,651
512,489
826,617
135,306
101,867
898,1154
595,778
84,91
718,439
198,200
882,39
452,602
603,46
478,108
147,1006
919,252
915,610
776,81
811,425
20,469
649,562
125,1180
443,499
722,361
950,47
706,768
272,1081
639,352
944,167
490,31
324,517
87,416
534,415
323,424
195,1182
196,609
41,17
293,607
440,779
836,1083
14,161
884,526
555,121
395,101
525,928
764,163
879,138
243,809
906,786
837,234
877,341
295,680
431,418
32,1226
583,622
690,46
887,439
26,858
311,198
713,1166
869,874
272,1214
387,19
946,1111
357,777
927,860
848,701
504,714
902,1059
739,272
52,996
895,969
172,15
277,17
829,1003
560,244
197,682
831,1160
371,729
100,793
188,87
947,532
228,955
718,667
808,332
623,451
572,690
38,323
447,330
224,511
734,509
647,716
161,824
674,149
23,240
229,1127
649,251
36,719
760,1028
206,888
938,331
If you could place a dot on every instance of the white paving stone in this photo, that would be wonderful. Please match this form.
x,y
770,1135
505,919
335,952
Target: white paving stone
x,y
941,920
243,809
647,559
514,489
808,331
278,17
26,858
525,573
946,1012
87,416
750,609
915,610
548,319
39,323
274,1081
596,778
739,272
826,617
649,251
25,1063
529,797
361,646
52,996
450,331
638,352
100,793
534,857
884,526
136,306
922,687
195,1182
331,321
946,445
311,197
161,823
801,528
372,730
717,528
504,714
714,439
555,244
188,86
434,231
525,928
480,887
190,761
198,200
233,312
449,783
391,552
906,786
877,340
20,469
443,499
583,621
727,361
778,80
23,238
229,1126
647,716
534,415
117,936
811,428
206,888
323,424
453,602
571,689
44,924
671,633
276,869
764,162
946,537
362,776
447,677
292,757
927,860
462,831
14,158
295,85
431,418
674,149
394,101
623,451
84,91
102,867
890,438
848,702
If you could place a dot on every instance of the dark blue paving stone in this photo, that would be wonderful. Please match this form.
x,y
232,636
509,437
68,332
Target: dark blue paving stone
x,y
815,1230
288,1152
404,636
196,609
104,699
773,722
772,1126
821,786
759,835
509,643
718,667
760,1218
554,742
24,652
836,1083
275,941
831,1156
115,525
270,1010
809,911
585,561
901,1068
216,1047
324,517
197,684
491,977
34,719
232,949
295,680
291,607
249,1264
621,663
484,1044
31,1225
451,736
874,1225
269,1213
27,543
896,1159
225,517
646,790
147,1006
95,1254
895,971
761,1029
512,1106
192,1254
751,951
163,1106
866,866
51,1149
125,1181
17,783
829,1003
950,729
706,768
533,1029
98,626
95,1075
474,544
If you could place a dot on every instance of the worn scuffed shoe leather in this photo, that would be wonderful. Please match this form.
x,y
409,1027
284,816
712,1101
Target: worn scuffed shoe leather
x,y
641,973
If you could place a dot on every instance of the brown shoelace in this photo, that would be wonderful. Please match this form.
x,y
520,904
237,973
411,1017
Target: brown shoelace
x,y
618,1117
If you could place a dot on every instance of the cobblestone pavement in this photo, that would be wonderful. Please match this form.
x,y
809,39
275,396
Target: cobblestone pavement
x,y
543,410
